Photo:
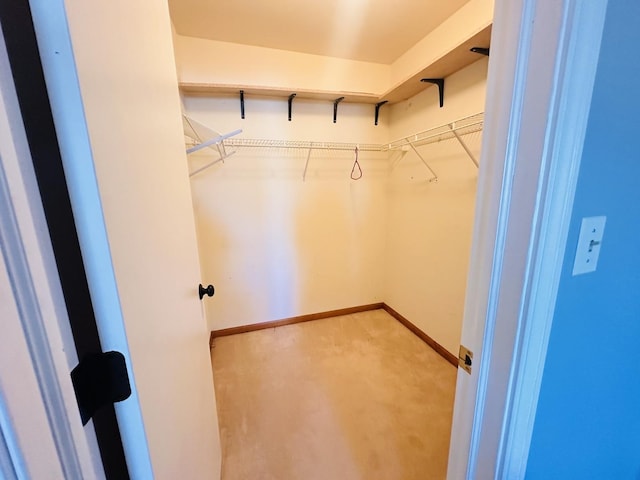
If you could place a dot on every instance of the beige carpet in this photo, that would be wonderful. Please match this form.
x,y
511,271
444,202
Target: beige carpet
x,y
352,397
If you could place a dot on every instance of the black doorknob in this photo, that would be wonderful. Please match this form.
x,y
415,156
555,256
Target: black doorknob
x,y
202,291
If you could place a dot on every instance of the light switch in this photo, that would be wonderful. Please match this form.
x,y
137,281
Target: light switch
x,y
589,244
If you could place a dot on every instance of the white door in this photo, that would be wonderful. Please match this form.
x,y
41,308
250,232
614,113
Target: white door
x,y
111,78
543,61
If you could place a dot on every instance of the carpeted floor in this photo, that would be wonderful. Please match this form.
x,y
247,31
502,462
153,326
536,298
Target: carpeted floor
x,y
351,397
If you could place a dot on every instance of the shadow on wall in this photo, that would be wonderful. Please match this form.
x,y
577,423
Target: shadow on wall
x,y
321,235
339,232
242,217
429,237
279,247
213,236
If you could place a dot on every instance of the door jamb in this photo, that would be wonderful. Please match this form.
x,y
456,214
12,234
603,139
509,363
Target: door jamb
x,y
566,131
490,439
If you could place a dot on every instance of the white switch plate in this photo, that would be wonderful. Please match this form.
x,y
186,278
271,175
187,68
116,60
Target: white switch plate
x,y
589,244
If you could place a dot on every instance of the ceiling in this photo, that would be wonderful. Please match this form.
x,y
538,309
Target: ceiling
x,y
368,30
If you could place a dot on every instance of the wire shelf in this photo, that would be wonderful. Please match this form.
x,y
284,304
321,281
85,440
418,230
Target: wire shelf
x,y
303,145
453,130
462,127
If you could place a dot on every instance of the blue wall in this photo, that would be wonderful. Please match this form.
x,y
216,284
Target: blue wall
x,y
588,420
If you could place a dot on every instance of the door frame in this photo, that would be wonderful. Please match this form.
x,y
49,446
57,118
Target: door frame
x,y
539,89
40,423
508,362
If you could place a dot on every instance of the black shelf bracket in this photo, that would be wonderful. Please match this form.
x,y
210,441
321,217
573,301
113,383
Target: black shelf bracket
x,y
378,105
242,104
335,108
480,50
440,83
291,97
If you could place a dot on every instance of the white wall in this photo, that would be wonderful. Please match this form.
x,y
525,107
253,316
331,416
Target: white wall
x,y
124,59
273,245
209,61
430,224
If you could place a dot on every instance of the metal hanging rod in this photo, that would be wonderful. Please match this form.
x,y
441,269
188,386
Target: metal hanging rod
x,y
218,140
457,129
452,130
419,140
462,126
197,131
306,145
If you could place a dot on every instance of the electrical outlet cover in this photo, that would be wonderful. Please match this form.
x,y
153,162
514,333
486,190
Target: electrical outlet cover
x,y
589,244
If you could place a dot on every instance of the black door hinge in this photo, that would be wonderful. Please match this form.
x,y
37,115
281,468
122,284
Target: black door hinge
x,y
100,379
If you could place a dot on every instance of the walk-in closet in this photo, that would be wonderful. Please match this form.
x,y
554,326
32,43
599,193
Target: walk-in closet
x,y
317,240
274,205
305,216
335,228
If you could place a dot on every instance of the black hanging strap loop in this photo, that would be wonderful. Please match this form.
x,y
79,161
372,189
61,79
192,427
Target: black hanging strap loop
x,y
356,175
